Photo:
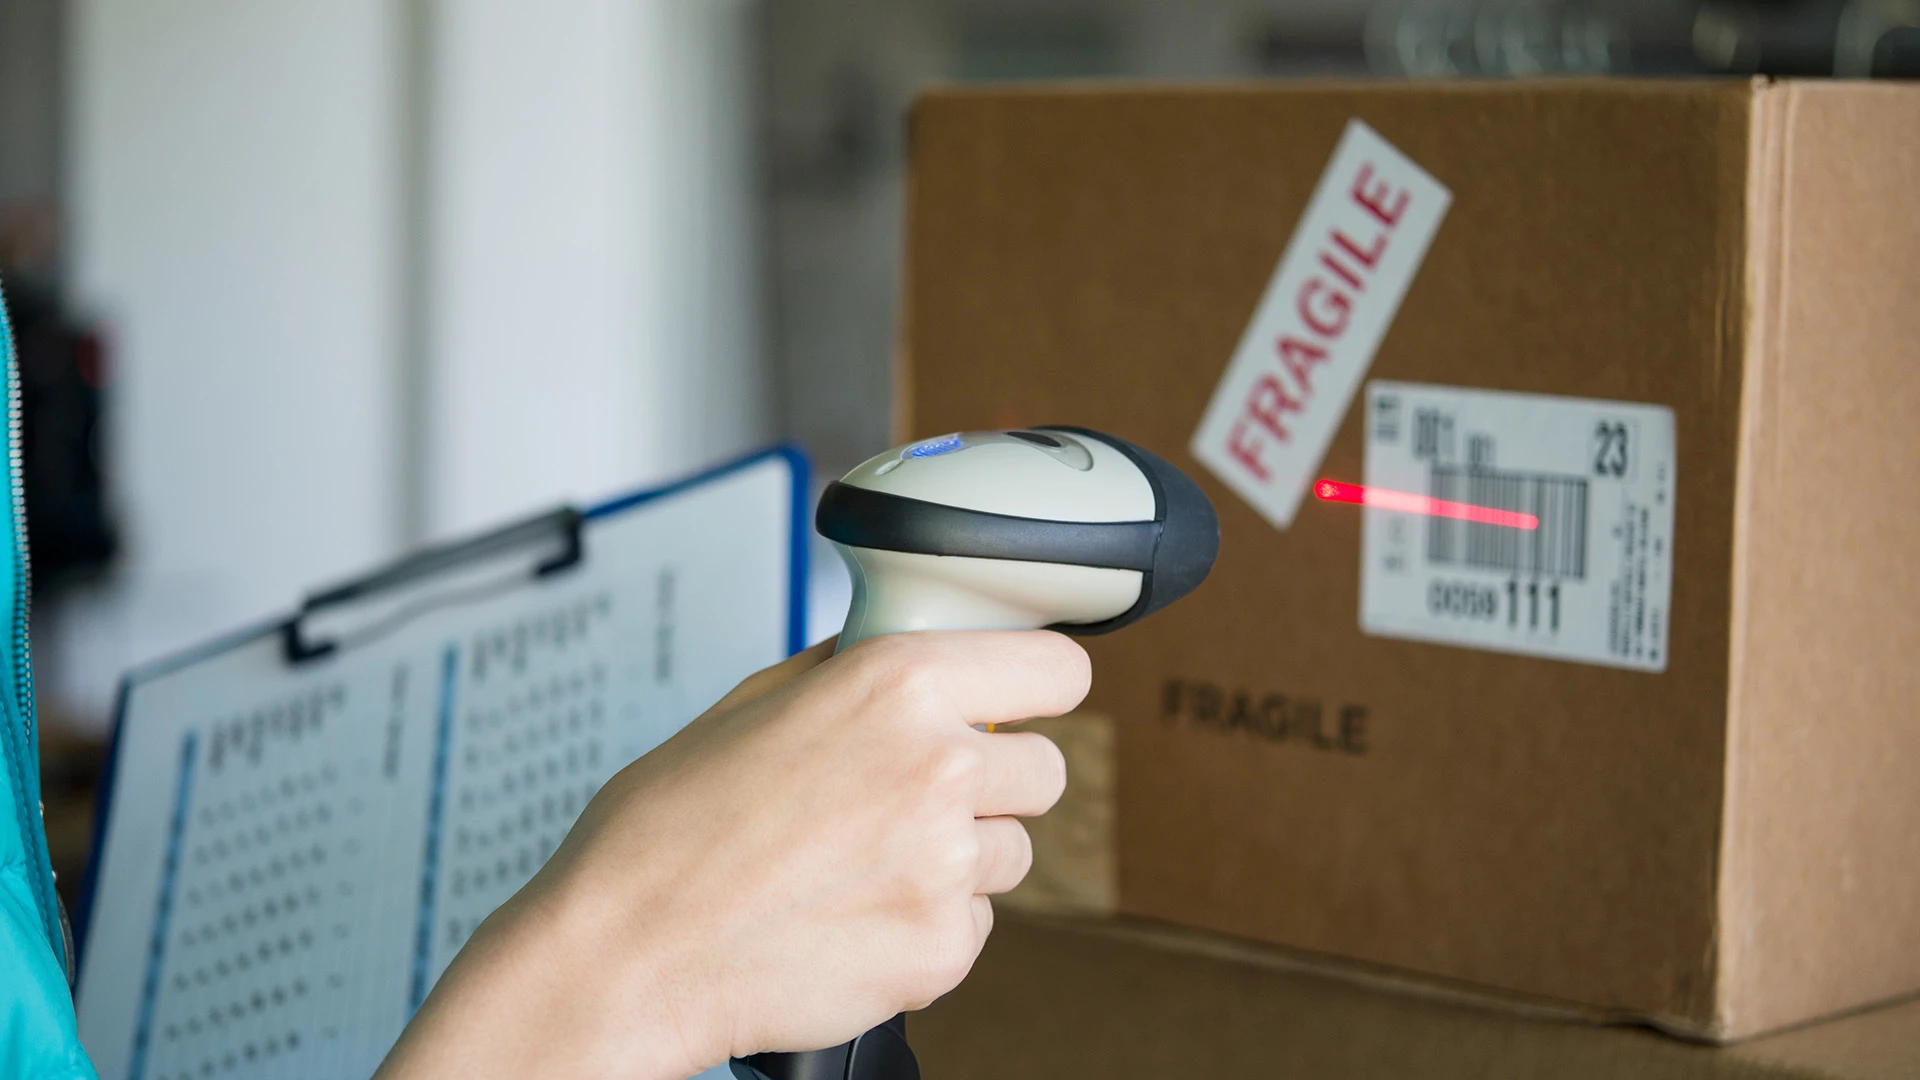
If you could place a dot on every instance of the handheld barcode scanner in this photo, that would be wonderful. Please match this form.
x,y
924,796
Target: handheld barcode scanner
x,y
1001,530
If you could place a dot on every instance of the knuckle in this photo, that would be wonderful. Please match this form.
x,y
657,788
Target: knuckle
x,y
953,766
944,870
903,679
953,857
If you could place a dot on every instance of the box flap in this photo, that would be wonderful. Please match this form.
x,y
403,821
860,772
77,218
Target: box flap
x,y
1822,845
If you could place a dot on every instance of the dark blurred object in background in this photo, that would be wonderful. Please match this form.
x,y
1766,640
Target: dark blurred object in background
x,y
70,531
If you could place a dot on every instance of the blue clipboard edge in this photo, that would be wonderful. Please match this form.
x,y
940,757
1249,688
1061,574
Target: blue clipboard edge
x,y
799,470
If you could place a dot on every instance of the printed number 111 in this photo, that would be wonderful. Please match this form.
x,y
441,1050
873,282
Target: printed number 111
x,y
1533,605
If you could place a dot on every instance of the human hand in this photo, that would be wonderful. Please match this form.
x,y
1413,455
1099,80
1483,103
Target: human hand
x,y
811,856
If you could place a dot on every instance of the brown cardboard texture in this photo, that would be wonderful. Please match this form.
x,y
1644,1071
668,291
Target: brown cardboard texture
x,y
1723,847
1051,998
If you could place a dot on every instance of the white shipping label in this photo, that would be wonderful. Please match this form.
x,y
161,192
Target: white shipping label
x,y
1313,335
1519,523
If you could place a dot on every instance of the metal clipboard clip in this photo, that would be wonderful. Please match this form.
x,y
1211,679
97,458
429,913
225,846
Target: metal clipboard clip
x,y
367,607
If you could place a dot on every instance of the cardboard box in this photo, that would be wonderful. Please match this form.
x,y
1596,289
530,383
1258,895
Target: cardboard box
x,y
1052,998
1711,826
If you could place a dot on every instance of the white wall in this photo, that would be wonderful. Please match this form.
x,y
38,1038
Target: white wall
x,y
232,219
333,341
593,314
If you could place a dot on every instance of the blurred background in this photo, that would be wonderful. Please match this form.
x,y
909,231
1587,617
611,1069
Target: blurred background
x,y
303,283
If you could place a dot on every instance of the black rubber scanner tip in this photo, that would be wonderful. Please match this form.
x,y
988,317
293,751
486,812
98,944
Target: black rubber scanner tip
x,y
1189,532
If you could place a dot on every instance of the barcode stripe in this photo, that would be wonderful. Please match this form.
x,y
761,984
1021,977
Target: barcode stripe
x,y
1556,548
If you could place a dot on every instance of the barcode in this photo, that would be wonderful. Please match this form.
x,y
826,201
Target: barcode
x,y
1557,548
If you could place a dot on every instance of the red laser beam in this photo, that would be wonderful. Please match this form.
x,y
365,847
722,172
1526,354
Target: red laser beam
x,y
1407,503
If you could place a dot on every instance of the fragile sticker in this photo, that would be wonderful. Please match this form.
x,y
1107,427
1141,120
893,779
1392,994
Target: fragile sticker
x,y
1313,335
1522,523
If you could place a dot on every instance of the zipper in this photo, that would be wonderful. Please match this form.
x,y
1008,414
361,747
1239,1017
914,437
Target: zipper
x,y
23,569
26,778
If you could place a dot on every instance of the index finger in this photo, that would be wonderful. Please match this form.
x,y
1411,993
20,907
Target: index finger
x,y
984,677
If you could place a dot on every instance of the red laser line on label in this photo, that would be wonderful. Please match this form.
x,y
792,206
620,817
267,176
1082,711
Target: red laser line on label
x,y
1408,503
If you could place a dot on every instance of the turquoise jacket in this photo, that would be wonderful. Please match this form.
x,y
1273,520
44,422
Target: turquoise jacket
x,y
37,1036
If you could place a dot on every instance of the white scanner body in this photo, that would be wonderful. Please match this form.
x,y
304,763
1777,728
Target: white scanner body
x,y
1005,530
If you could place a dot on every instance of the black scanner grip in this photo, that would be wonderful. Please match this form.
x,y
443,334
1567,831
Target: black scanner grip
x,y
879,1054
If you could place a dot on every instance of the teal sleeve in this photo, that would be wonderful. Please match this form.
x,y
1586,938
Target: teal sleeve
x,y
37,1036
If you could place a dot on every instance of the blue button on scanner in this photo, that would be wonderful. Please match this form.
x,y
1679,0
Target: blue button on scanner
x,y
945,444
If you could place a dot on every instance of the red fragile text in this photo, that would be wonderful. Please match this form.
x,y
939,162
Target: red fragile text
x,y
1345,261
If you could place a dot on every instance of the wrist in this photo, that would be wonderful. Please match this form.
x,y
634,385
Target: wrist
x,y
618,967
548,986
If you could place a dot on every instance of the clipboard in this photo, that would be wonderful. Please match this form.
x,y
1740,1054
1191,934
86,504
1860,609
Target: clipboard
x,y
300,823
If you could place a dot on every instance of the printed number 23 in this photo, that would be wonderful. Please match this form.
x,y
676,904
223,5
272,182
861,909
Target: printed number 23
x,y
1610,448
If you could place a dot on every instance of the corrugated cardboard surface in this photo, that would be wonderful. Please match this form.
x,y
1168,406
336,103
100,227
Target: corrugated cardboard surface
x,y
1822,874
1090,256
1052,998
1073,867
